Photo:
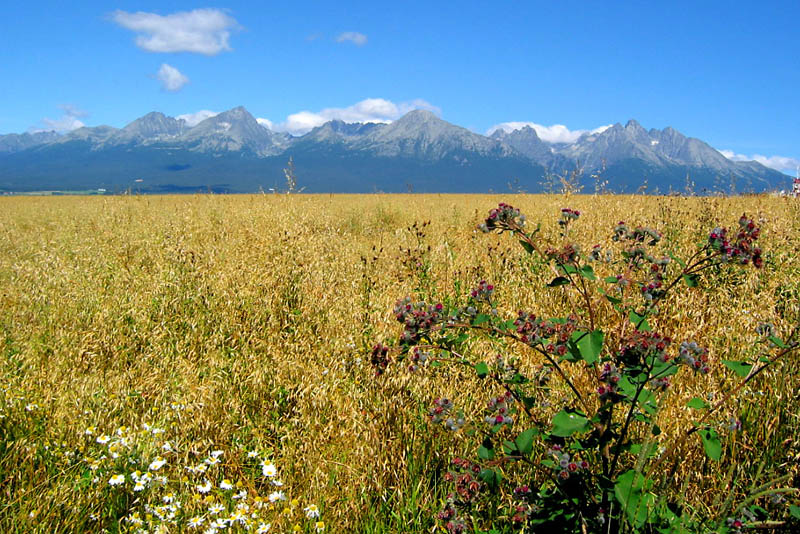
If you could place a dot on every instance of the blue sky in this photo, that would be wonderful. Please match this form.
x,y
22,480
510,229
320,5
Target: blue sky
x,y
725,72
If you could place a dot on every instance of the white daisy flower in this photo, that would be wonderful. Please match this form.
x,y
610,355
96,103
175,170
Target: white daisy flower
x,y
268,469
226,484
116,480
205,487
312,511
263,528
277,496
157,464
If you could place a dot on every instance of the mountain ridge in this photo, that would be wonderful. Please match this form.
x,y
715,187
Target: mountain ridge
x,y
418,151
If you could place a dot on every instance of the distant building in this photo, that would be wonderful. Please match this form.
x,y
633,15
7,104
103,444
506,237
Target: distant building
x,y
795,188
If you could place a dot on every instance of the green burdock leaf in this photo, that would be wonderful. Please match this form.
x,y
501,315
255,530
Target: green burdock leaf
x,y
697,403
794,511
711,443
524,441
691,280
527,246
481,369
480,319
662,369
491,477
740,368
778,342
529,402
558,281
484,453
567,422
587,345
587,272
611,279
517,379
639,321
567,269
631,491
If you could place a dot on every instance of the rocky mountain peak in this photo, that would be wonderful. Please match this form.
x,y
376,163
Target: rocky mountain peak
x,y
633,124
232,130
152,125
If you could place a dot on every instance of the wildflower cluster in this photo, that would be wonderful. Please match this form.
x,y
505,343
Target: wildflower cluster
x,y
742,248
636,254
567,216
625,369
465,475
379,358
694,356
644,348
210,494
418,319
418,357
441,409
506,367
483,292
609,378
735,525
640,234
598,254
498,410
552,336
523,508
453,524
568,254
564,464
440,412
504,217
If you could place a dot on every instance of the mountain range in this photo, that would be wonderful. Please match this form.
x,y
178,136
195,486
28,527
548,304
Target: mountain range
x,y
232,152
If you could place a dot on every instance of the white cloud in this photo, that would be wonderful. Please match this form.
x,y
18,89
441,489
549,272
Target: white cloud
x,y
266,123
557,133
358,39
201,31
369,110
193,119
779,163
171,78
68,121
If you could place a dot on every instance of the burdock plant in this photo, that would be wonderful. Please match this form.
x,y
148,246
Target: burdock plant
x,y
590,465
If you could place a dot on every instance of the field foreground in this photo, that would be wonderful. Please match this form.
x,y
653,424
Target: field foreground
x,y
169,359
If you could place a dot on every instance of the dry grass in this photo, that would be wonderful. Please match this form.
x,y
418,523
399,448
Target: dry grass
x,y
257,313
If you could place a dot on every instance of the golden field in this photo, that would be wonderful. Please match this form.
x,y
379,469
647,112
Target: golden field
x,y
245,323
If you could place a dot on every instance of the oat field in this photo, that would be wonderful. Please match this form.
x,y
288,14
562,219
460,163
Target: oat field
x,y
201,363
